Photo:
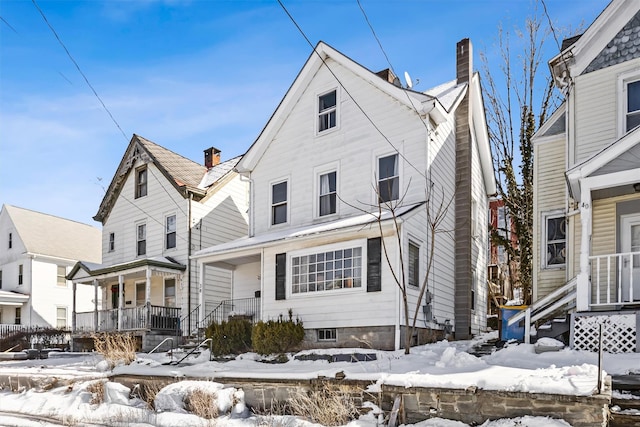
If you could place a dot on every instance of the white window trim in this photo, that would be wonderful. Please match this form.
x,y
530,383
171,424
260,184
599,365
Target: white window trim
x,y
270,216
137,182
164,243
361,243
417,243
318,132
543,246
335,333
66,314
376,173
65,279
146,238
317,172
112,233
623,80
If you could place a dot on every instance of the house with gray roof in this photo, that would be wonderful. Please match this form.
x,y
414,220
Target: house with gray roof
x,y
586,200
159,208
37,251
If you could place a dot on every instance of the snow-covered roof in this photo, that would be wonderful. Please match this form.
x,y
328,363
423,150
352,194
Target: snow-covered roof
x,y
365,219
447,93
214,174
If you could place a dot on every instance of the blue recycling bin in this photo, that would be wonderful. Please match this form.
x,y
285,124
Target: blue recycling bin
x,y
515,331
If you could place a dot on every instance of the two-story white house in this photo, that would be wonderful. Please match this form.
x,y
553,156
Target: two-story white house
x,y
159,208
587,185
344,146
37,251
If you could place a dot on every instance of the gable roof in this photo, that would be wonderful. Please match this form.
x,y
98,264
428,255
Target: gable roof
x,y
423,103
599,43
48,235
622,155
186,176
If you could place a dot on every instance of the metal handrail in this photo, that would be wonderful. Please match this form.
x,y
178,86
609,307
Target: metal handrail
x,y
190,316
191,352
163,341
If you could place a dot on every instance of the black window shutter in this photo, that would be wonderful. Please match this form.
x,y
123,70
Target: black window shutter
x,y
374,282
281,276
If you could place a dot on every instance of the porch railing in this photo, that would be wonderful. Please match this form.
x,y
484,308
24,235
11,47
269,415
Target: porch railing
x,y
612,279
248,308
150,317
10,329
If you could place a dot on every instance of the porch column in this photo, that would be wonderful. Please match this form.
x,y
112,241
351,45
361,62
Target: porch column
x,y
582,288
120,300
73,307
147,298
201,293
95,305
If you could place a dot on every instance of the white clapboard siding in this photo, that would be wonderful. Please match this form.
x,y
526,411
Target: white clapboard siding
x,y
343,307
161,200
550,195
352,148
597,108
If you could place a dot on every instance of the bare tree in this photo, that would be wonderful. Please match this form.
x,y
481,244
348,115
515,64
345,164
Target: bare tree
x,y
518,100
436,206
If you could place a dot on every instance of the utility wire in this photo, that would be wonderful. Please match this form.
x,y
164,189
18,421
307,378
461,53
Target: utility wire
x,y
348,93
555,37
108,112
8,25
77,67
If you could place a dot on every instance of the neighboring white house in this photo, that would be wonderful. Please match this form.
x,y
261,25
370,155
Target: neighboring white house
x,y
587,185
343,142
159,208
37,251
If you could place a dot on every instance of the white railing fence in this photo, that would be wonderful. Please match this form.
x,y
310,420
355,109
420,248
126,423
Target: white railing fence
x,y
613,279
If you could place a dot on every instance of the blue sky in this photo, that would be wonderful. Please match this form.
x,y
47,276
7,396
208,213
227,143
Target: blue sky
x,y
189,75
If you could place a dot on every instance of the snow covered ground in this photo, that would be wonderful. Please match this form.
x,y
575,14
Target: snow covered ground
x,y
443,364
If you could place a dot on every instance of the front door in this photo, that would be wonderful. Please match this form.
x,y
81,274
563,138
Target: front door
x,y
630,245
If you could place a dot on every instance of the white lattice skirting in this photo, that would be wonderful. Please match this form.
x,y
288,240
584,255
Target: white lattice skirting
x,y
619,332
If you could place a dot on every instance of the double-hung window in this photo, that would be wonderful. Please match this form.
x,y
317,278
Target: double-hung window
x,y
388,179
112,242
279,195
556,240
170,232
61,317
632,118
327,111
10,240
20,274
327,201
414,264
62,272
141,238
141,182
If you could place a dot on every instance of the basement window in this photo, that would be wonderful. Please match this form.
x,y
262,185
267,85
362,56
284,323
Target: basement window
x,y
327,334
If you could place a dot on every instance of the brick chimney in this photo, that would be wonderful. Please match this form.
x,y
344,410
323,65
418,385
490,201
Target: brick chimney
x,y
463,196
211,157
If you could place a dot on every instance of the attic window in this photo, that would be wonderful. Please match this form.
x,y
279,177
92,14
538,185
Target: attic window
x,y
327,111
141,182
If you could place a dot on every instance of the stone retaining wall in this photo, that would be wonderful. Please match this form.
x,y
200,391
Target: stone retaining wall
x,y
471,406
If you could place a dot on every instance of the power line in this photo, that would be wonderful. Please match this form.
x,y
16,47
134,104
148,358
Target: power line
x,y
78,67
348,93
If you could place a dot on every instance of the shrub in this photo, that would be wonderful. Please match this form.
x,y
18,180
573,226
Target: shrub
x,y
116,348
232,337
202,404
328,406
97,392
277,337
